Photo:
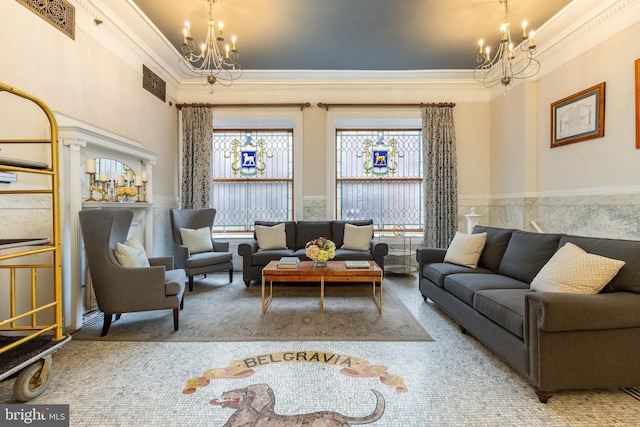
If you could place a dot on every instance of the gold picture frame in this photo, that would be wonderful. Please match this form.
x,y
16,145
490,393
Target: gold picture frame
x,y
638,103
578,117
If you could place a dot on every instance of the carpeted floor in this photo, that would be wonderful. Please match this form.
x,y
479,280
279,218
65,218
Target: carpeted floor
x,y
232,312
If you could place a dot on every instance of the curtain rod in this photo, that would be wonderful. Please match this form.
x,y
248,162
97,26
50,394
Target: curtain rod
x,y
440,104
302,106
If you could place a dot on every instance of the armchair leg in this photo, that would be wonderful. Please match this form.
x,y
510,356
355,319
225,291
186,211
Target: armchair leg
x,y
247,283
190,283
118,316
182,303
176,314
106,325
230,275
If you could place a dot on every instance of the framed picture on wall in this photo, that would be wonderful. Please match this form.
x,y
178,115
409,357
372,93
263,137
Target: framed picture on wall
x,y
638,103
578,117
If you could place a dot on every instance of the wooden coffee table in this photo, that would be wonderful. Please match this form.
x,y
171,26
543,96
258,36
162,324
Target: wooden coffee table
x,y
335,271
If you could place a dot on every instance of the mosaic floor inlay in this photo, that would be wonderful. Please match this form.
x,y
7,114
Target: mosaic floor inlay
x,y
451,381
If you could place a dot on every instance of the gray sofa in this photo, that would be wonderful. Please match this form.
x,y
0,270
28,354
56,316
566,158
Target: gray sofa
x,y
297,235
556,340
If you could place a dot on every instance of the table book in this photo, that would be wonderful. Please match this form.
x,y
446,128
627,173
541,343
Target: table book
x,y
357,264
289,262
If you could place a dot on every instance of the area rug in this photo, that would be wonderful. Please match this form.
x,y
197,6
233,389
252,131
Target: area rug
x,y
232,312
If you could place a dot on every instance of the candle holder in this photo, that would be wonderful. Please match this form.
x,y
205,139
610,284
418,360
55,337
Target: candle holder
x,y
113,196
105,189
138,188
144,191
92,180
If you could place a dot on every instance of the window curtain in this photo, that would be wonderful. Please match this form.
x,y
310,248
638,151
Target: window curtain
x,y
197,139
440,176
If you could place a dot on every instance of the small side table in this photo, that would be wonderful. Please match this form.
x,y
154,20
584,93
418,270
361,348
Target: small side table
x,y
403,253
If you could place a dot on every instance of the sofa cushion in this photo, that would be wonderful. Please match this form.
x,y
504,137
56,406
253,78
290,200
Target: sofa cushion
x,y
465,249
289,229
495,246
271,237
464,286
436,272
263,257
174,281
527,253
572,270
337,229
628,278
357,237
205,259
309,230
351,255
504,306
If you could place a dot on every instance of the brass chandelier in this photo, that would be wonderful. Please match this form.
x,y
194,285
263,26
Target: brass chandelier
x,y
215,61
504,67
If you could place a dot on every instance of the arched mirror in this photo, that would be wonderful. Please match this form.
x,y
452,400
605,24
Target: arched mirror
x,y
115,180
111,169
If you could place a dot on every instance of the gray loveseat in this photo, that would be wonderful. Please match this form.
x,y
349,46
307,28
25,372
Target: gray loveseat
x,y
556,340
297,235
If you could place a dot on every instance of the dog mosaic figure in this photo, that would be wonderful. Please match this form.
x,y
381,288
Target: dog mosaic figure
x,y
255,407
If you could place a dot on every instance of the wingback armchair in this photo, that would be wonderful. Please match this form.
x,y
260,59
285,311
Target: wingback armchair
x,y
121,289
216,258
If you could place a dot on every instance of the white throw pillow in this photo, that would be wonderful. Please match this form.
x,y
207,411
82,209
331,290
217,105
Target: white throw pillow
x,y
131,254
357,237
197,240
573,270
465,249
273,237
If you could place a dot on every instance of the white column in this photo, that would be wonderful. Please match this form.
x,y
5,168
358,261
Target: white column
x,y
71,174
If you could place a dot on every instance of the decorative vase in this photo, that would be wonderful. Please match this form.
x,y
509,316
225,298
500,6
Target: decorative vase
x,y
319,264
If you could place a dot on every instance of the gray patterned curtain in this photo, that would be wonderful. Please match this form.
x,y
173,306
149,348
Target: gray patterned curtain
x,y
440,176
197,140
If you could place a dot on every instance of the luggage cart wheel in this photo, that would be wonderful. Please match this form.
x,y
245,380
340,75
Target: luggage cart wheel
x,y
33,380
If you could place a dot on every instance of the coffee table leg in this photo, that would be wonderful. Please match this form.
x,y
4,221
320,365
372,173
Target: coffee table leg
x,y
322,294
377,300
266,301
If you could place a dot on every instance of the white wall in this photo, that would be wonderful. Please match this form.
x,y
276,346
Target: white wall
x,y
602,164
81,79
591,187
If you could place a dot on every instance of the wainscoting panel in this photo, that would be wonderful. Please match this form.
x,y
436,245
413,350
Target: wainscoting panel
x,y
598,215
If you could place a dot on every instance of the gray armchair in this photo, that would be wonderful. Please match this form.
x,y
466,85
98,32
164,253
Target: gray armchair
x,y
219,259
123,290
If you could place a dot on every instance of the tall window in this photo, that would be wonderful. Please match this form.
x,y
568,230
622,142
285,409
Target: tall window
x,y
379,176
252,177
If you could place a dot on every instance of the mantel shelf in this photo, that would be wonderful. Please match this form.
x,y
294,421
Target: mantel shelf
x,y
141,205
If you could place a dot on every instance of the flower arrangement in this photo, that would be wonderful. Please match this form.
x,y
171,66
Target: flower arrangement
x,y
126,192
320,250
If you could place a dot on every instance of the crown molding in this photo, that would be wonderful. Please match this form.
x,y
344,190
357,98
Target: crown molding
x,y
134,48
580,26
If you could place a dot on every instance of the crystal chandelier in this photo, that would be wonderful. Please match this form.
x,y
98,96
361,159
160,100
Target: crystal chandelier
x,y
503,67
215,62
